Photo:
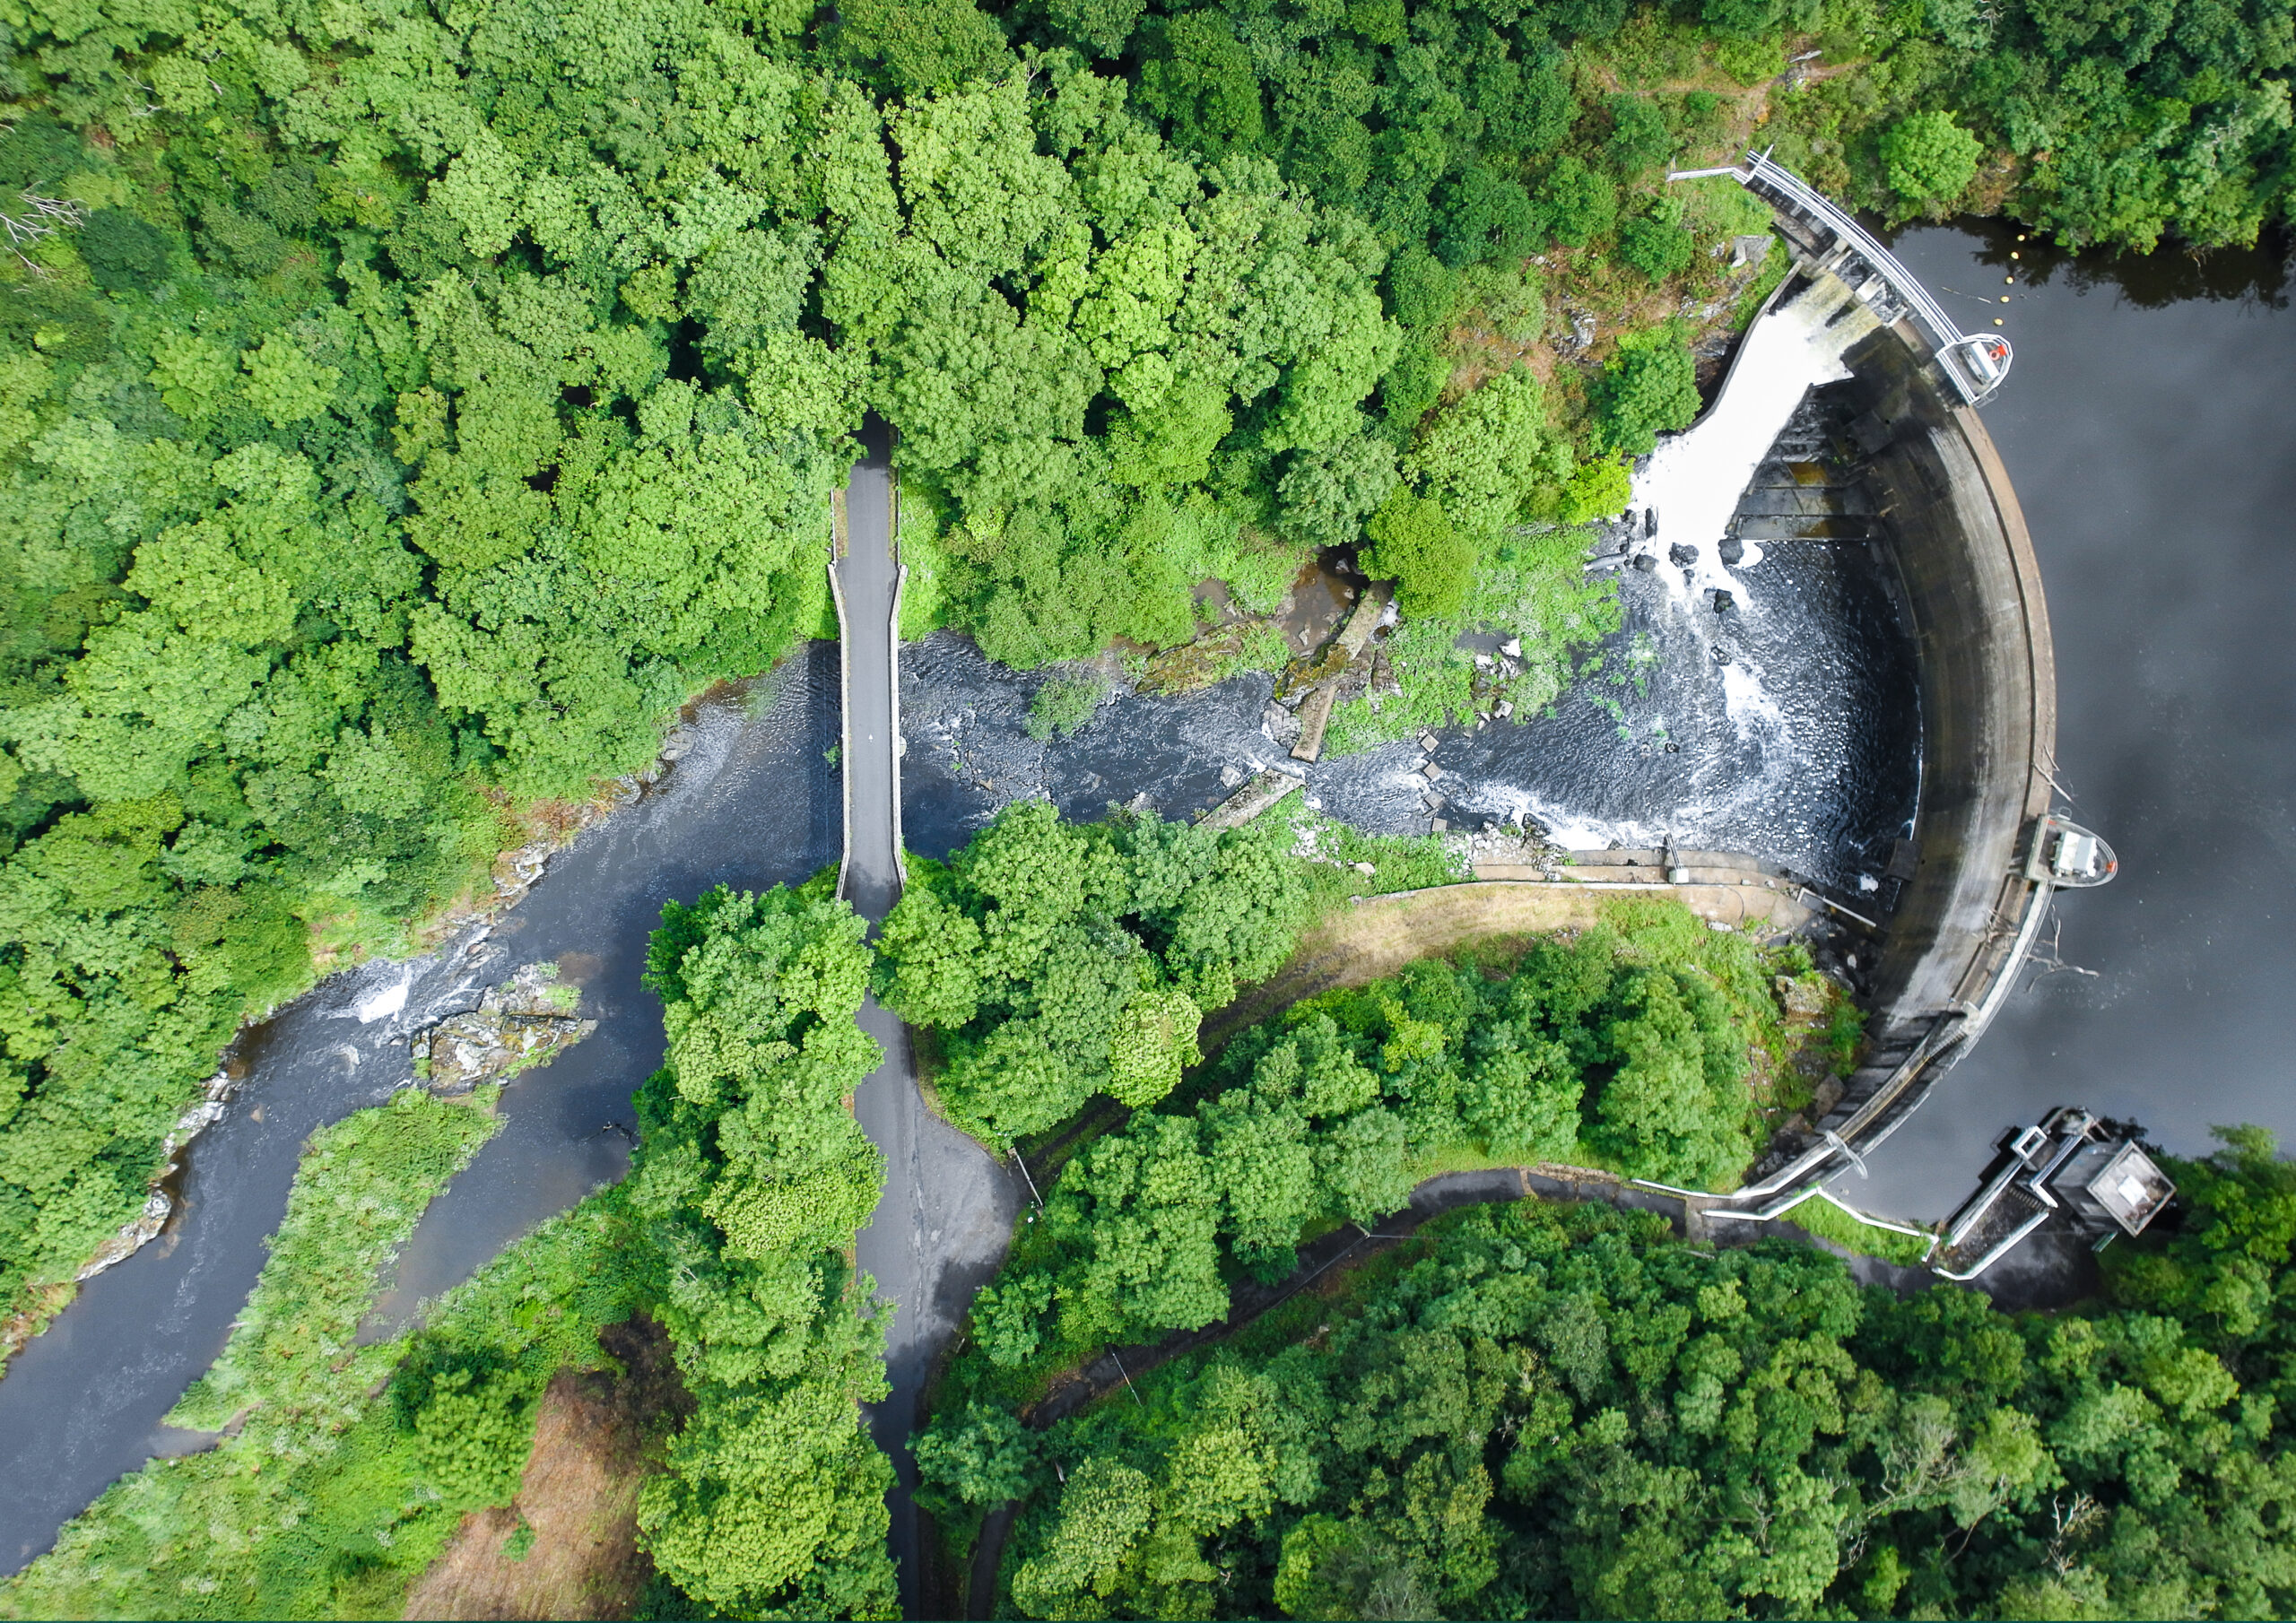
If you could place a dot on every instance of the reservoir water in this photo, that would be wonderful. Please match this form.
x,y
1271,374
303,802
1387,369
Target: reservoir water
x,y
2148,429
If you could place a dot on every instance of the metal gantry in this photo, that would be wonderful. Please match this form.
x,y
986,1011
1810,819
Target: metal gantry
x,y
1831,240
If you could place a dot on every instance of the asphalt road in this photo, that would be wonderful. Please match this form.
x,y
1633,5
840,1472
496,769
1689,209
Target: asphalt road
x,y
941,1229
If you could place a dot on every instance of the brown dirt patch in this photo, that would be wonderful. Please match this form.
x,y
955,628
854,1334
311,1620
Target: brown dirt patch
x,y
578,1495
1380,936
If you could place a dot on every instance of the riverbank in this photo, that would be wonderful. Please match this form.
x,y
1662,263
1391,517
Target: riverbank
x,y
1376,936
749,801
536,832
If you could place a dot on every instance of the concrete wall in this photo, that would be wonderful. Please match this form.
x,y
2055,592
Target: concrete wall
x,y
1988,683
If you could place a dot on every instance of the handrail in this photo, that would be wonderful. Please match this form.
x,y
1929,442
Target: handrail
x,y
1976,366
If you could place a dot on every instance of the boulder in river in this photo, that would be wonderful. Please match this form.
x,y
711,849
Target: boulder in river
x,y
523,1022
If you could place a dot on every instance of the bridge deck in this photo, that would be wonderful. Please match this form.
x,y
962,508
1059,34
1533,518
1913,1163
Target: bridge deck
x,y
940,1228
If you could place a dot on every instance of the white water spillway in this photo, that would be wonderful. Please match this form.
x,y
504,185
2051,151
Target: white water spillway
x,y
1691,483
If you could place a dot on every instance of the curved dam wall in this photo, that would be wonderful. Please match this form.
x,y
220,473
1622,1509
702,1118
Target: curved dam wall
x,y
1989,685
1950,946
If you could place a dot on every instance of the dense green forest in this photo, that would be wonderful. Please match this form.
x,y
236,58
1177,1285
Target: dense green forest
x,y
1055,961
1564,1412
1642,1045
753,1181
403,408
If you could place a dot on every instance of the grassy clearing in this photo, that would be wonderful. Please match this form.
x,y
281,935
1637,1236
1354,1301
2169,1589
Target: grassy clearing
x,y
1820,1219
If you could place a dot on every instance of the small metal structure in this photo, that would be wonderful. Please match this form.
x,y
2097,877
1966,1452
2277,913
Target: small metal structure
x,y
2068,1167
1826,239
2068,856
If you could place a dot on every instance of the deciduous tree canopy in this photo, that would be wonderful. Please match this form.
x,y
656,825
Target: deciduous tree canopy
x,y
753,1181
1565,1411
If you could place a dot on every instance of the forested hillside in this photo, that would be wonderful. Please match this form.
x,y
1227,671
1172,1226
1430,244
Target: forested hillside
x,y
1564,1412
403,410
1648,1044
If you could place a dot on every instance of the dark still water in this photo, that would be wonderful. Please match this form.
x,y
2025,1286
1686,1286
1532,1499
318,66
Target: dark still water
x,y
2152,444
752,800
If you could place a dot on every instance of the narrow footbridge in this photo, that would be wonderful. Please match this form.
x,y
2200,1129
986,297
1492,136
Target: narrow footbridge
x,y
942,1225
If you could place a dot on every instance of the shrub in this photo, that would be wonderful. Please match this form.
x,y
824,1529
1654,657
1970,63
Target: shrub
x,y
1414,543
1649,388
1062,706
1575,203
1929,159
1656,248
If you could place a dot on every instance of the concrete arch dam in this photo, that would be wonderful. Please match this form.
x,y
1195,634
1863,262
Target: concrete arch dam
x,y
1969,889
1973,884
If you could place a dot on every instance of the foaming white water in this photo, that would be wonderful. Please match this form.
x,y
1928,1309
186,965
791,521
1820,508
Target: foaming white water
x,y
383,1001
1749,706
1573,831
1692,481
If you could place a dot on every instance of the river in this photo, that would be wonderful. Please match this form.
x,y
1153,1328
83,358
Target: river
x,y
2152,451
750,800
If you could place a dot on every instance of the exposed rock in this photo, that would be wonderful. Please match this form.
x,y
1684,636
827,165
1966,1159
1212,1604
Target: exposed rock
x,y
1801,998
132,1236
1255,797
523,1022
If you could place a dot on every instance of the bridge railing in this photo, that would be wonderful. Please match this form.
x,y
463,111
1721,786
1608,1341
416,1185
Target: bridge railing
x,y
1974,365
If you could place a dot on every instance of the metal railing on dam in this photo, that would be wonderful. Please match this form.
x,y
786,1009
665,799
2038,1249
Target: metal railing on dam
x,y
1833,241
